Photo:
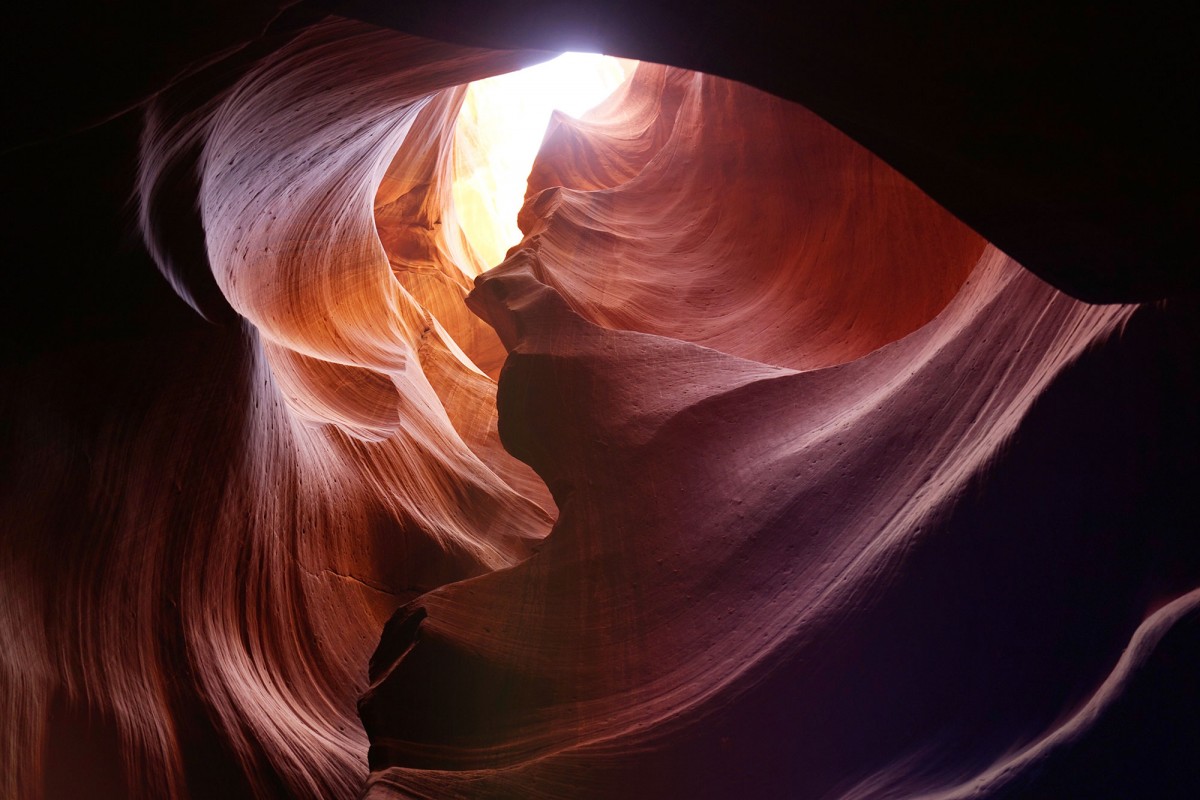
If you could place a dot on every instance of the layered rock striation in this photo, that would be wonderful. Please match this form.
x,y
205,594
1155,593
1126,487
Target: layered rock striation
x,y
751,471
775,391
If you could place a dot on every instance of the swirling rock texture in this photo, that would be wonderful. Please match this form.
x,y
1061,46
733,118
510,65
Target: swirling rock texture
x,y
791,485
251,523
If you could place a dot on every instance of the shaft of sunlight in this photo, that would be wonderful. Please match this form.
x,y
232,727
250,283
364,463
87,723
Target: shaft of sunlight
x,y
500,129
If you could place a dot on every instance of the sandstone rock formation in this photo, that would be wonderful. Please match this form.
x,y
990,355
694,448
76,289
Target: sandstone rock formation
x,y
752,471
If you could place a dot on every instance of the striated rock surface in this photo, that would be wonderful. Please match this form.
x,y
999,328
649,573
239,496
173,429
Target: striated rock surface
x,y
203,564
792,246
791,485
766,581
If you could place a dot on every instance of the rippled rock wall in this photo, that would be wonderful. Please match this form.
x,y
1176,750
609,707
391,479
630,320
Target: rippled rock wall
x,y
791,484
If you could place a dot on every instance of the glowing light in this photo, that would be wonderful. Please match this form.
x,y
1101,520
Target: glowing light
x,y
500,129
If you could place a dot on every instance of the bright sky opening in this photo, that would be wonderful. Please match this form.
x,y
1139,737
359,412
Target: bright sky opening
x,y
500,129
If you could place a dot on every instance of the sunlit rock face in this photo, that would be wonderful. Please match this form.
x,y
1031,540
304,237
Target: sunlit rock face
x,y
247,522
500,130
791,246
751,472
780,568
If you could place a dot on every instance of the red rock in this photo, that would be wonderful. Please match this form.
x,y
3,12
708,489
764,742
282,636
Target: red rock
x,y
849,503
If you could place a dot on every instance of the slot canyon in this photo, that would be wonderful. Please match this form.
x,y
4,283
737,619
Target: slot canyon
x,y
830,429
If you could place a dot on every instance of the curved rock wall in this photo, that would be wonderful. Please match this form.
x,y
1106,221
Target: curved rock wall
x,y
791,485
751,588
791,246
244,524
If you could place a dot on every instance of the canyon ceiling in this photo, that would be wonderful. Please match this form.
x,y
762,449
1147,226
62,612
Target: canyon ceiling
x,y
833,432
